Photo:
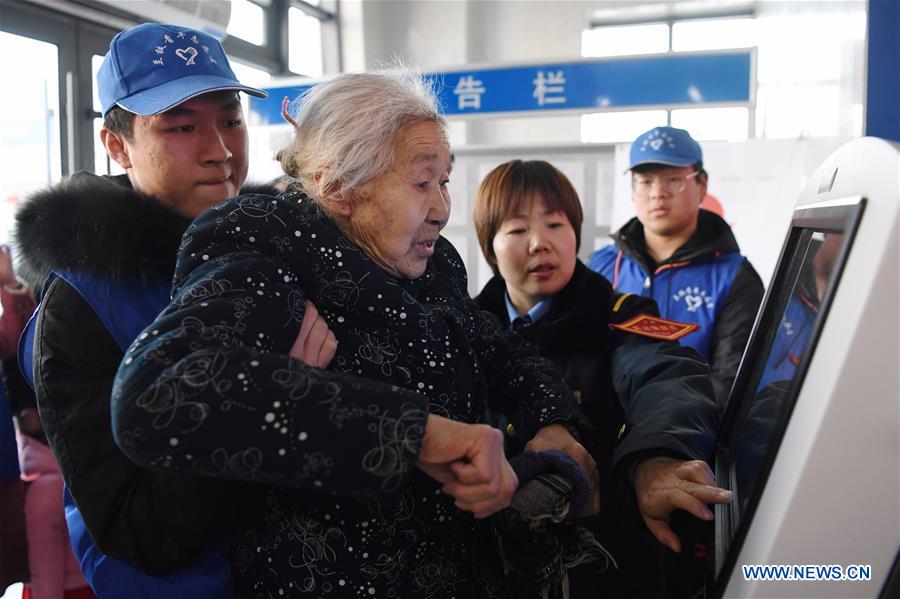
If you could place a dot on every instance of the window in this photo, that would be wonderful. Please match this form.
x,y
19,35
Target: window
x,y
790,111
103,164
714,34
808,80
284,37
624,40
730,124
253,77
249,75
810,83
304,43
96,62
798,111
262,167
29,122
247,22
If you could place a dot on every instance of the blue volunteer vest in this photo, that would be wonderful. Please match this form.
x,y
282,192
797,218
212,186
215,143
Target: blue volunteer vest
x,y
125,308
691,291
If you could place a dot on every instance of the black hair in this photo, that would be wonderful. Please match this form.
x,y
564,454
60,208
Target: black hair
x,y
653,167
698,166
120,121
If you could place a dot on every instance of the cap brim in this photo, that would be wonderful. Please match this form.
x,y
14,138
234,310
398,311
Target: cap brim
x,y
161,98
661,160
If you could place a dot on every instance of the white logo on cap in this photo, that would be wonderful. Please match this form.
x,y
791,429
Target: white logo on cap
x,y
188,54
161,50
655,139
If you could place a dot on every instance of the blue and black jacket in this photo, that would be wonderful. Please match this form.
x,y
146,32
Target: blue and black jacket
x,y
706,281
103,257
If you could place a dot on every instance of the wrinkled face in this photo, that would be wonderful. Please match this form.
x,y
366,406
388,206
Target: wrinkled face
x,y
193,155
664,213
402,212
535,251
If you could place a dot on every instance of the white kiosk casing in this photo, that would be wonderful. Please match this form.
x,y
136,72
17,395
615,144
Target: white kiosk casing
x,y
831,493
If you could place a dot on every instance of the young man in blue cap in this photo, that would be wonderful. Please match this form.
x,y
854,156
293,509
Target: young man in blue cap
x,y
688,260
102,251
685,258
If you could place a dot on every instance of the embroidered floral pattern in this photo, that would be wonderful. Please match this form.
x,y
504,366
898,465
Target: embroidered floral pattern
x,y
352,516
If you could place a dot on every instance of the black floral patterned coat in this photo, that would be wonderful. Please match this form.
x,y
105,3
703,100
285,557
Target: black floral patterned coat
x,y
208,388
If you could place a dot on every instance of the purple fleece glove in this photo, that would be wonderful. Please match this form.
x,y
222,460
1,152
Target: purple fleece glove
x,y
529,464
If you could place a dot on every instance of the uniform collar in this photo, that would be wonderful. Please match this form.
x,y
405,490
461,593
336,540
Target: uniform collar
x,y
533,315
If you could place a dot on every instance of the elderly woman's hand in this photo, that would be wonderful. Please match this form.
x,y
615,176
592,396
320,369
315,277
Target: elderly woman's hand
x,y
663,485
315,344
468,459
558,437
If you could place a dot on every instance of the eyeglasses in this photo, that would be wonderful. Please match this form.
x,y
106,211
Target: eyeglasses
x,y
643,184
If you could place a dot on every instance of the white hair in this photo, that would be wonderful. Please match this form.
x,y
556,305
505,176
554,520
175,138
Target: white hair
x,y
345,134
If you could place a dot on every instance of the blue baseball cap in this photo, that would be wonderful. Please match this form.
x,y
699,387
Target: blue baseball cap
x,y
151,68
665,145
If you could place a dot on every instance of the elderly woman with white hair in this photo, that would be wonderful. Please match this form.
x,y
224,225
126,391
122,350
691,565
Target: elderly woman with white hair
x,y
374,467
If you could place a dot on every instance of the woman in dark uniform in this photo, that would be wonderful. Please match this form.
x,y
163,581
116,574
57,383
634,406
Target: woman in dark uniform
x,y
649,399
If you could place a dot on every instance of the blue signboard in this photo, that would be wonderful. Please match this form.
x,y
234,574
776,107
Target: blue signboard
x,y
589,85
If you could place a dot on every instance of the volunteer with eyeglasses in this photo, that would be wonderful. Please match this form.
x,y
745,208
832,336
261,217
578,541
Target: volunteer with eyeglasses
x,y
685,258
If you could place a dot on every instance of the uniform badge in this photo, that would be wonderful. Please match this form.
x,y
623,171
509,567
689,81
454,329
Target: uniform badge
x,y
656,327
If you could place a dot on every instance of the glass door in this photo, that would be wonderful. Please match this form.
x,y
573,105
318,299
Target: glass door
x,y
46,114
29,122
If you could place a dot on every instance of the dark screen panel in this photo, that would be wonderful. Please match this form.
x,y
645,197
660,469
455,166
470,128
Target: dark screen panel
x,y
771,373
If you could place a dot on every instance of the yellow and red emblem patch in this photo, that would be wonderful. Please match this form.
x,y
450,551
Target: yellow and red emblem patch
x,y
656,327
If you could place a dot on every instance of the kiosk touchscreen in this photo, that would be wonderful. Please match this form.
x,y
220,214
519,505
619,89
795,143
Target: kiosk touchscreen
x,y
810,441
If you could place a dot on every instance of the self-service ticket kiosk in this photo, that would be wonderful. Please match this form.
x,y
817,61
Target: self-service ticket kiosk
x,y
810,442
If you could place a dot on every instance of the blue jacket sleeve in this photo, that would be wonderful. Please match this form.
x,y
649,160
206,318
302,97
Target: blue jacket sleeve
x,y
667,397
665,391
